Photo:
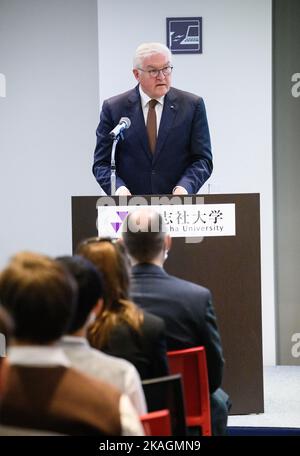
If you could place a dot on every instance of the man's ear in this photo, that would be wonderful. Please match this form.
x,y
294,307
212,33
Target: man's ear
x,y
136,74
168,242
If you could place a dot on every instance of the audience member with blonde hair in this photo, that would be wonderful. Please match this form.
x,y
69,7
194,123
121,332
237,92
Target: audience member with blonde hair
x,y
122,329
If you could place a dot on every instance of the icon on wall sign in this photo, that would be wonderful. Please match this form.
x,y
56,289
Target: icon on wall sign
x,y
184,35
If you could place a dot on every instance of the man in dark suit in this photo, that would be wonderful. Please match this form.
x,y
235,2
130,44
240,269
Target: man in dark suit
x,y
185,307
167,147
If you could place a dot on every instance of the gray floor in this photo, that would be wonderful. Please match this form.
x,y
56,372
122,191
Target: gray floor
x,y
281,400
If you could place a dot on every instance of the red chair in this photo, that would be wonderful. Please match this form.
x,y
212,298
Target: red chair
x,y
157,423
191,364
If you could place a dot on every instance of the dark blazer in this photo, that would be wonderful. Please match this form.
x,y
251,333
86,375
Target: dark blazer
x,y
183,150
187,311
146,350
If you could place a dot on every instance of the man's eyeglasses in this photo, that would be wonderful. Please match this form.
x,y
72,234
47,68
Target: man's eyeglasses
x,y
166,71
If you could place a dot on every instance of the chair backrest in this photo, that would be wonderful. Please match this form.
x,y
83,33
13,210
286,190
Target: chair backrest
x,y
157,423
191,364
167,393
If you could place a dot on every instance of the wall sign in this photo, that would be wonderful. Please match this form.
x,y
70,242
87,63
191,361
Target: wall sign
x,y
181,220
184,35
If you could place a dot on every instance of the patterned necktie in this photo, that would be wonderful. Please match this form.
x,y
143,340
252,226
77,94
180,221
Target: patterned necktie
x,y
151,124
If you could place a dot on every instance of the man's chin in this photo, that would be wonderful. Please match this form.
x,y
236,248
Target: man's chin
x,y
161,90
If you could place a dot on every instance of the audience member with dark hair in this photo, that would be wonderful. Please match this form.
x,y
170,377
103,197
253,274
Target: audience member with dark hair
x,y
42,391
41,299
115,371
185,307
122,329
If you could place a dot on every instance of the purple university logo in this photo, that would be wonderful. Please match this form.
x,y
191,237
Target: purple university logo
x,y
117,225
184,35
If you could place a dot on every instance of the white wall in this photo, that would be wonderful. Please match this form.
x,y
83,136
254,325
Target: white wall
x,y
234,77
49,56
286,104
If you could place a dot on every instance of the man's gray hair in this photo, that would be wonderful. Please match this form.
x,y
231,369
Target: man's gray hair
x,y
146,49
144,232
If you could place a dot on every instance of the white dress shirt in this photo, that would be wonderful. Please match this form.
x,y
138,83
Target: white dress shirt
x,y
145,107
116,371
158,107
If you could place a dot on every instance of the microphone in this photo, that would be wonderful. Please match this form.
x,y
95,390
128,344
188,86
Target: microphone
x,y
123,124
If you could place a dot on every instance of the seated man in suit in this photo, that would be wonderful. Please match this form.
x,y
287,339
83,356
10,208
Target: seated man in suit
x,y
42,390
116,371
185,307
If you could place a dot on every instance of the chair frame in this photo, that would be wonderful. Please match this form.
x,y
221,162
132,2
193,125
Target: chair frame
x,y
157,423
167,393
191,364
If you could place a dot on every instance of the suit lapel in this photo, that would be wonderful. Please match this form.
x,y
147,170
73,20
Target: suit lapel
x,y
136,116
168,116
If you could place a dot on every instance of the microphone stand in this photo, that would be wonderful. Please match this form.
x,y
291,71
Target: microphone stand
x,y
113,164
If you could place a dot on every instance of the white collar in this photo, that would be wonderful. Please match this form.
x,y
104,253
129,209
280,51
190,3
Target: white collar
x,y
145,98
72,340
35,355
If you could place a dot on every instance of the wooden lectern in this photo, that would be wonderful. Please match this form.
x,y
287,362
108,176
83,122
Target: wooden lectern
x,y
230,267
